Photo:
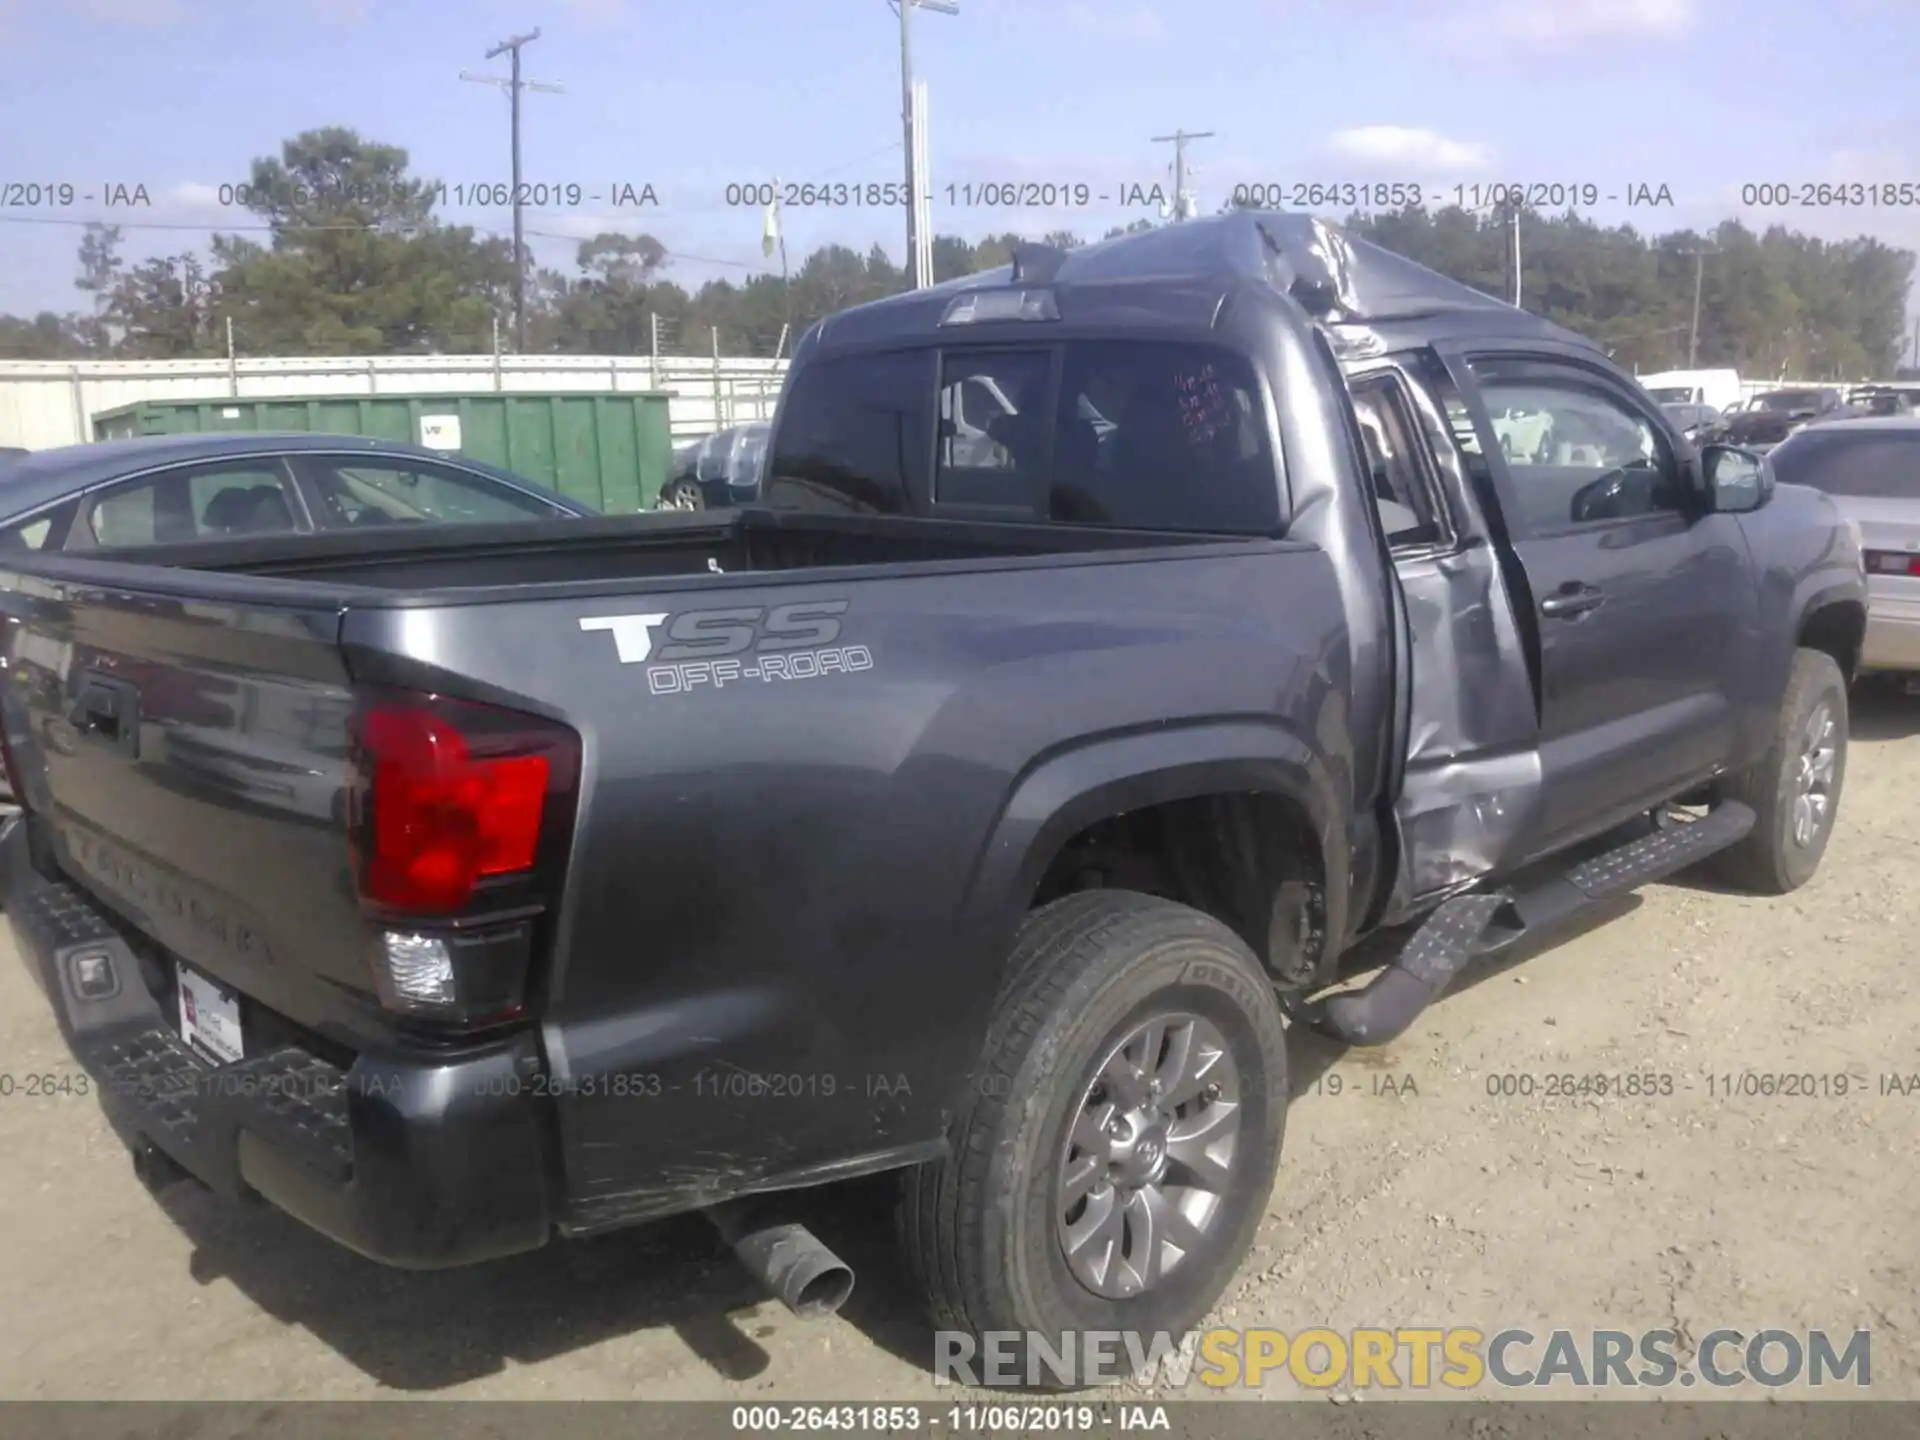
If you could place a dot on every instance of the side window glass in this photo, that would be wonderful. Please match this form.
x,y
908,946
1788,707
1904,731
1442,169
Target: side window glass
x,y
993,427
1577,454
854,435
1400,486
1162,436
30,536
385,492
210,503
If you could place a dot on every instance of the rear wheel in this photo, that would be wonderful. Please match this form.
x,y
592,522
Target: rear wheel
x,y
1110,1168
1794,789
683,495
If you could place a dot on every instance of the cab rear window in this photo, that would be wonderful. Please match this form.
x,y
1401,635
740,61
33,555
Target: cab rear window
x,y
1118,433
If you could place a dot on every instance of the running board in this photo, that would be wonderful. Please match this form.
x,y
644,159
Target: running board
x,y
1472,925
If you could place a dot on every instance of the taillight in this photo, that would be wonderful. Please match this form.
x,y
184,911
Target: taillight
x,y
1891,562
459,819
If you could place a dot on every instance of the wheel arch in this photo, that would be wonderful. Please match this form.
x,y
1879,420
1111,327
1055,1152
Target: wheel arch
x,y
1064,795
1834,622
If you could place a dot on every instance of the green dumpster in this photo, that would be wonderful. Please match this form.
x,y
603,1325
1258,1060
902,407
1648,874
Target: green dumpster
x,y
609,450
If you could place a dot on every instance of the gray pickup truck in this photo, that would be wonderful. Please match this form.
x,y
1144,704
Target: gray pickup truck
x,y
980,811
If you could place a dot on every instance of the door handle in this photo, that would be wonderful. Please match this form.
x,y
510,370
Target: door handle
x,y
1572,599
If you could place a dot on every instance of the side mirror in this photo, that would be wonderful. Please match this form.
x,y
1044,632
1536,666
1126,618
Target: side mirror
x,y
1736,480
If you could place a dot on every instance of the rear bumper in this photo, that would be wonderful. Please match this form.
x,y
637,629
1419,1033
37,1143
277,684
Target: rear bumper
x,y
1893,635
418,1161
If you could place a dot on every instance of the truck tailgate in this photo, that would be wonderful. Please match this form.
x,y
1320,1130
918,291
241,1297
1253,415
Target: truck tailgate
x,y
187,760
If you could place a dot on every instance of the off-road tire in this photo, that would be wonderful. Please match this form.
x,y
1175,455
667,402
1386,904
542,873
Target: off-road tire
x,y
1769,861
979,1228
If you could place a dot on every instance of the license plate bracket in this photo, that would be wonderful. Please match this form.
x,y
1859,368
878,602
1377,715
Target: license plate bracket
x,y
209,1018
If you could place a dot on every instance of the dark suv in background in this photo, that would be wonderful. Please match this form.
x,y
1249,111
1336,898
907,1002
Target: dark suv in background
x,y
1770,417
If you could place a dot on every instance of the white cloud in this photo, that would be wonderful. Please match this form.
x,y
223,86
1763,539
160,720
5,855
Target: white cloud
x,y
1559,24
1135,22
1410,149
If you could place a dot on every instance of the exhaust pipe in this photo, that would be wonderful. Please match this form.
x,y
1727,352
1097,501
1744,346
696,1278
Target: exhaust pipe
x,y
157,1170
787,1258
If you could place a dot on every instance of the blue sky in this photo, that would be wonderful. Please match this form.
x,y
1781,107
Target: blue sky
x,y
1702,96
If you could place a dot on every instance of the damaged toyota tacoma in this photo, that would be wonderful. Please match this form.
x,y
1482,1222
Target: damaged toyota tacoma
x,y
1116,640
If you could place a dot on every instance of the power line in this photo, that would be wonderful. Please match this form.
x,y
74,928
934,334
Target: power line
x,y
670,254
885,149
514,85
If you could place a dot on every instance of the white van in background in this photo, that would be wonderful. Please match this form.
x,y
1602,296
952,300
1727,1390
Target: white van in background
x,y
1718,388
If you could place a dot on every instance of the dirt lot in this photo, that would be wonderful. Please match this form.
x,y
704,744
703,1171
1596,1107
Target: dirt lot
x,y
1437,1204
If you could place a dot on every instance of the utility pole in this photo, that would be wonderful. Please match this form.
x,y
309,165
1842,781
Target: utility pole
x,y
513,85
1179,139
1513,226
923,162
1699,254
914,178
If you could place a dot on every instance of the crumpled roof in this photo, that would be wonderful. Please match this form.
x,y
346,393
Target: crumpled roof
x,y
1338,277
1345,282
1341,278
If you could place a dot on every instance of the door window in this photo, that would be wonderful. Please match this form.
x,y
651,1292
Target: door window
x,y
353,491
1401,488
1577,454
209,502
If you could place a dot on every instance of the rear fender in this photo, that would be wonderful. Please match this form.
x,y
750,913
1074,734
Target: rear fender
x,y
1064,793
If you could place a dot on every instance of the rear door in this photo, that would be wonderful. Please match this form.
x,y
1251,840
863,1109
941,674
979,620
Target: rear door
x,y
1469,792
1640,603
234,498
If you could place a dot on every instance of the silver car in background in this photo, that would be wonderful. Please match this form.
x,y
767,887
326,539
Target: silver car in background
x,y
1871,469
719,471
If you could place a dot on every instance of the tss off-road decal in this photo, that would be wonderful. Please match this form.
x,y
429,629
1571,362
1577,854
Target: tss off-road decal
x,y
724,647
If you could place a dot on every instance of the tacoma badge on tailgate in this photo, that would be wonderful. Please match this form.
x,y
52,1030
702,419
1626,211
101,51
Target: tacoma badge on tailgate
x,y
786,642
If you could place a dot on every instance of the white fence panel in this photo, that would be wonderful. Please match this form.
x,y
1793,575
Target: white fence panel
x,y
44,403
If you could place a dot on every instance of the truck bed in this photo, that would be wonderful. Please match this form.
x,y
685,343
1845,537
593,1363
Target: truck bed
x,y
767,865
623,548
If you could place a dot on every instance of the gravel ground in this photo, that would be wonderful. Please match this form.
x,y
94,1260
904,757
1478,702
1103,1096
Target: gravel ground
x,y
1408,1195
